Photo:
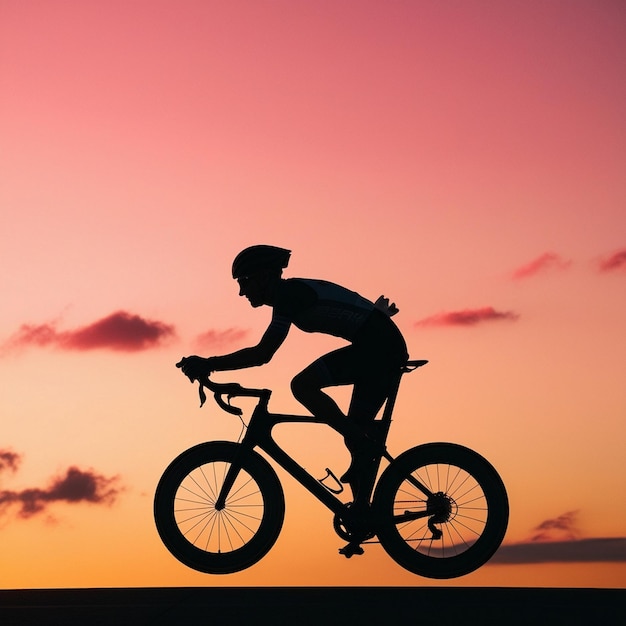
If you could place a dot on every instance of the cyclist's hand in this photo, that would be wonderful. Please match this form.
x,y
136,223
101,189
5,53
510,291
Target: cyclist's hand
x,y
382,304
195,367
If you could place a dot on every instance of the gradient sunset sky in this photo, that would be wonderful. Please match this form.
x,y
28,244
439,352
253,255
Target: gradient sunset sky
x,y
465,158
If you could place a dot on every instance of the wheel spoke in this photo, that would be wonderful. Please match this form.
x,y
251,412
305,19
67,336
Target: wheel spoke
x,y
228,529
457,527
443,478
230,538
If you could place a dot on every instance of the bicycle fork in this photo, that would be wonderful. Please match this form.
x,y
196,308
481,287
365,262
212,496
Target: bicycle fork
x,y
249,441
231,476
229,481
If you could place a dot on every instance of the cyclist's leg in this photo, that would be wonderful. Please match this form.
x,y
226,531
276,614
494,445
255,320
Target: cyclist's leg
x,y
380,355
351,365
333,369
361,368
343,367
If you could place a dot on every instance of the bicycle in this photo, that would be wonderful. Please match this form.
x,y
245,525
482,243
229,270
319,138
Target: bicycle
x,y
440,510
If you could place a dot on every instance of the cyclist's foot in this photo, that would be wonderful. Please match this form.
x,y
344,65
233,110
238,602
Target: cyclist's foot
x,y
351,549
363,456
361,462
349,476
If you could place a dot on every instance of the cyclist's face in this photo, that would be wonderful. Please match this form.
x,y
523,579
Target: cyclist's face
x,y
253,288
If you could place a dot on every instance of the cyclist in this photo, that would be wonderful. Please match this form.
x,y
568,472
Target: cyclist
x,y
371,362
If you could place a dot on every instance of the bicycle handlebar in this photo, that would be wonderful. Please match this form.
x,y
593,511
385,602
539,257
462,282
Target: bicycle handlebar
x,y
230,390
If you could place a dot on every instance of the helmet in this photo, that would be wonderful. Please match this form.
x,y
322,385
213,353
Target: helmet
x,y
258,258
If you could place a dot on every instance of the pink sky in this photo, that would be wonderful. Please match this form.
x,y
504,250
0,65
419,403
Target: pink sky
x,y
466,159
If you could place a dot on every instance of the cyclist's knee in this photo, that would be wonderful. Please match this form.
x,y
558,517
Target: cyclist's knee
x,y
303,385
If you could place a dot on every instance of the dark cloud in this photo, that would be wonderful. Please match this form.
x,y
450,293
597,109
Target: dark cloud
x,y
9,460
121,331
561,527
611,550
219,339
556,540
545,262
75,486
467,317
613,262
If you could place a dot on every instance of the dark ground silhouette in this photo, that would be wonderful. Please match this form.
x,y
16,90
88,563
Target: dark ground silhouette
x,y
313,605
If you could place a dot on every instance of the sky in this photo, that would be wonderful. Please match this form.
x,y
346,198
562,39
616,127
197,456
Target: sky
x,y
464,158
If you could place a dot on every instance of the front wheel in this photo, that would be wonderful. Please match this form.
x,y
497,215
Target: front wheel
x,y
212,538
458,527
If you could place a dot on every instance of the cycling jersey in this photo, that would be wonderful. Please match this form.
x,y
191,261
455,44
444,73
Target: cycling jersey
x,y
320,306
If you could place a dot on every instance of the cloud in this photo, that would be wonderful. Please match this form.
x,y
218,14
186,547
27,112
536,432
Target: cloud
x,y
120,331
556,540
545,262
608,550
614,262
467,317
563,526
75,486
218,339
9,460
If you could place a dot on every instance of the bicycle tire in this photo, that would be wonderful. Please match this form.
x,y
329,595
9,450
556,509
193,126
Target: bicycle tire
x,y
474,510
218,541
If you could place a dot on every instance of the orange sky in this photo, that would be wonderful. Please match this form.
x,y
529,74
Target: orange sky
x,y
464,158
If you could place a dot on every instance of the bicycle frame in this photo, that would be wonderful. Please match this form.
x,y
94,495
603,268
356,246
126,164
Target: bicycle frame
x,y
259,434
458,526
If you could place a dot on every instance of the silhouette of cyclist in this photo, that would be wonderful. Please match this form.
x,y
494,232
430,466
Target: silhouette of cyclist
x,y
371,362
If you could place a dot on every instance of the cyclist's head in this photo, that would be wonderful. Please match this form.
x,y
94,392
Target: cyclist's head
x,y
258,269
256,259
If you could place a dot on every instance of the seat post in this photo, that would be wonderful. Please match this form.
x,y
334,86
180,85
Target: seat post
x,y
393,394
391,401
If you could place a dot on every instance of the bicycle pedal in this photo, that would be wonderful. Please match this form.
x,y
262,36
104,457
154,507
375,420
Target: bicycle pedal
x,y
351,549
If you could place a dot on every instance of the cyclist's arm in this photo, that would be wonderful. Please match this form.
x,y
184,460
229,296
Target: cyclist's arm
x,y
260,354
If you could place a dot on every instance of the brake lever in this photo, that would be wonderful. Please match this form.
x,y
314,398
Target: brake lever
x,y
226,406
201,394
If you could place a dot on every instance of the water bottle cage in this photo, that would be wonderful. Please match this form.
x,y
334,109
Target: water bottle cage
x,y
336,488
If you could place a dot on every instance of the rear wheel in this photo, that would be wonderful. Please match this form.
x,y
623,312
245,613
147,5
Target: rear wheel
x,y
455,530
216,539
